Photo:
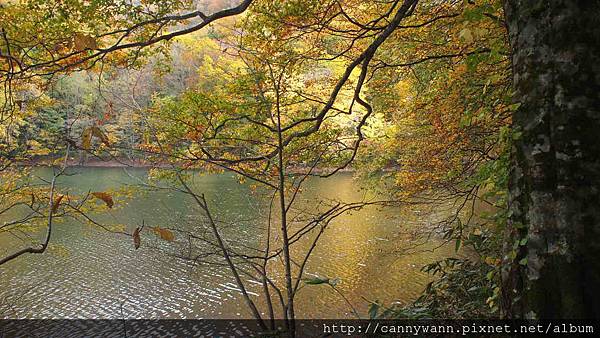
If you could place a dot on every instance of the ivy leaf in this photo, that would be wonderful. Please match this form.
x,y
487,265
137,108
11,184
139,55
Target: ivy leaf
x,y
105,197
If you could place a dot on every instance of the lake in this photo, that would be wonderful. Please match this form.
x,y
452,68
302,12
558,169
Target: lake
x,y
91,273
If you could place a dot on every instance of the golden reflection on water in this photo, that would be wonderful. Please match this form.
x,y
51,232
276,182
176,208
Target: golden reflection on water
x,y
97,272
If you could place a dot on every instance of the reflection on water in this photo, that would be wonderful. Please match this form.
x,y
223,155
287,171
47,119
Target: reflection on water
x,y
91,273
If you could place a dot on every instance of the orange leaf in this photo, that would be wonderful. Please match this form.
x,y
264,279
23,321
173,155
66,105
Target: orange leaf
x,y
56,203
105,197
165,234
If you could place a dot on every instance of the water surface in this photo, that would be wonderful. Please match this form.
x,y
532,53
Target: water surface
x,y
91,273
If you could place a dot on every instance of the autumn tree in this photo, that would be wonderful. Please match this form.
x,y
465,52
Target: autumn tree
x,y
264,119
442,97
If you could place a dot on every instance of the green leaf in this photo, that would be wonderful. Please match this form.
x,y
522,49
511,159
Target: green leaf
x,y
316,281
523,261
373,310
514,106
472,61
518,225
474,288
516,244
516,135
457,245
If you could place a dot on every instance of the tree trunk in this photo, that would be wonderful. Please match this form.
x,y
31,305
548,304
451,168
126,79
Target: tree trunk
x,y
554,272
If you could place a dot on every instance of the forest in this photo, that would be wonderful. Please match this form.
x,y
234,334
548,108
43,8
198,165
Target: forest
x,y
281,160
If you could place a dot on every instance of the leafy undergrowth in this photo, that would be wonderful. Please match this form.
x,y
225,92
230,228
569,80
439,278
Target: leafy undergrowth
x,y
464,289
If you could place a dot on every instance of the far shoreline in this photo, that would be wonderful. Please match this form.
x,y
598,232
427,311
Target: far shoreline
x,y
95,163
141,164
